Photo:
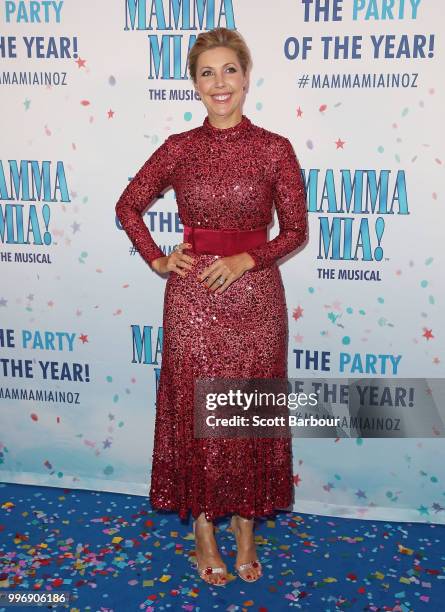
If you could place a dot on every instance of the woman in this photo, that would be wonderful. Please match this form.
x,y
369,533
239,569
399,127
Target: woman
x,y
224,313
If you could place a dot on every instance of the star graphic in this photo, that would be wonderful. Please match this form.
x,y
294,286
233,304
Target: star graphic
x,y
106,443
75,226
339,143
298,313
336,305
427,333
27,103
423,510
83,338
111,416
436,360
437,507
50,303
81,63
299,112
297,480
360,494
332,317
298,338
110,114
3,301
30,297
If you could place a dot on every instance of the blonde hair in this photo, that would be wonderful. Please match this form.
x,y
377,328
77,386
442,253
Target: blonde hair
x,y
219,37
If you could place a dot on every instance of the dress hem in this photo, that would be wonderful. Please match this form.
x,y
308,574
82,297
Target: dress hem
x,y
264,513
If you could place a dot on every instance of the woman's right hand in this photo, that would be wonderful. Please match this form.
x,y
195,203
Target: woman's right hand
x,y
177,261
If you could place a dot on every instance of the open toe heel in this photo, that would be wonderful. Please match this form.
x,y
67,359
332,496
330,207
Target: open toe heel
x,y
255,563
209,570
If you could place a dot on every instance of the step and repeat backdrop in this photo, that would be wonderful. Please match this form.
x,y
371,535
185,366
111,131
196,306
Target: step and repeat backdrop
x,y
89,91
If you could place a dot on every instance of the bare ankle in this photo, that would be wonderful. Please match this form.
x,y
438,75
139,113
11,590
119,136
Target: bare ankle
x,y
201,520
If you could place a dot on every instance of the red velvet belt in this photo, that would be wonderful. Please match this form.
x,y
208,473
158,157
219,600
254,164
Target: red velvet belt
x,y
223,242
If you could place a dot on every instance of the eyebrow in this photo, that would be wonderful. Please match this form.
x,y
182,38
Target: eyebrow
x,y
226,64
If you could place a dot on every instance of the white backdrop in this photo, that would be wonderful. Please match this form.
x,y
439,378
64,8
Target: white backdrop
x,y
357,91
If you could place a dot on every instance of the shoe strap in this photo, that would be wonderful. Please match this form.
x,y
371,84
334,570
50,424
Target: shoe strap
x,y
215,570
248,565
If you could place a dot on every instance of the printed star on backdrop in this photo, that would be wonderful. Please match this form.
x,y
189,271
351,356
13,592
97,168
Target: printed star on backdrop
x,y
111,417
298,338
360,494
332,317
297,480
328,487
427,333
30,297
50,303
437,507
423,510
27,103
83,338
298,313
3,301
75,226
299,112
339,143
336,305
436,360
106,443
81,63
110,114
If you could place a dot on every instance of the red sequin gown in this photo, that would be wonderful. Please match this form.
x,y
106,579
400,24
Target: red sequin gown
x,y
224,178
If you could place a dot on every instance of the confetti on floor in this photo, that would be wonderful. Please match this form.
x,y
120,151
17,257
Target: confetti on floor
x,y
113,553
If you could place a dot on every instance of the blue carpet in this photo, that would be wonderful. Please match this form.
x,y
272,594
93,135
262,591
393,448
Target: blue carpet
x,y
112,552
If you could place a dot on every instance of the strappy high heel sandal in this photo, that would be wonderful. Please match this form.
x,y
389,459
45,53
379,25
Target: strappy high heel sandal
x,y
206,571
245,566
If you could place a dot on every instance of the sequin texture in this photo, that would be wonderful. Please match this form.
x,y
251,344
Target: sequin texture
x,y
224,178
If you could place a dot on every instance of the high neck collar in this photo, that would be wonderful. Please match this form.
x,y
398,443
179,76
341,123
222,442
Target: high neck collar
x,y
230,133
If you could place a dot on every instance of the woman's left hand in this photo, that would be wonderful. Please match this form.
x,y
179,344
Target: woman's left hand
x,y
227,268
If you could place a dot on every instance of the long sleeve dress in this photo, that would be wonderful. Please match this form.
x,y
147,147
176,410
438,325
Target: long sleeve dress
x,y
224,178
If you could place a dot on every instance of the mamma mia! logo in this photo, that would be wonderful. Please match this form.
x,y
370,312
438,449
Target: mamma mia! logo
x,y
351,209
168,52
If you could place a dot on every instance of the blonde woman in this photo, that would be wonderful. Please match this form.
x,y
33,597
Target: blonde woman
x,y
225,313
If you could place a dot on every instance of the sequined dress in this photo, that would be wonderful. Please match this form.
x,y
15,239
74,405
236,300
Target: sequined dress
x,y
224,178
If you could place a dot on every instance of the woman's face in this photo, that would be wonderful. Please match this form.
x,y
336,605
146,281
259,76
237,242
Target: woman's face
x,y
219,72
